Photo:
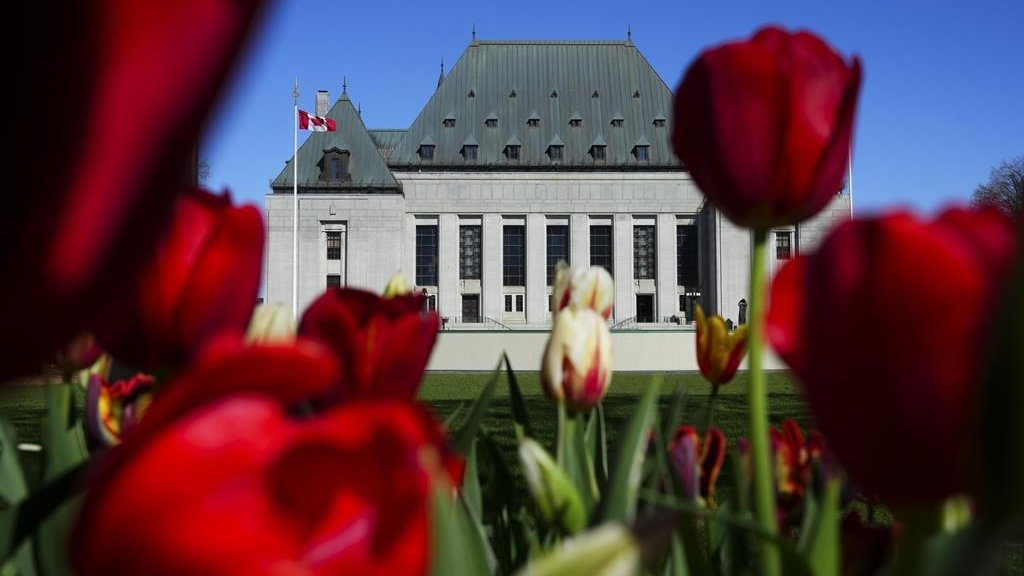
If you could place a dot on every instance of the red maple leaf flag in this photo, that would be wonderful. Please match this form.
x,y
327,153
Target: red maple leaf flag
x,y
308,121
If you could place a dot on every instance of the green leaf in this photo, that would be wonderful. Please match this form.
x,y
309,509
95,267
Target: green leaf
x,y
456,547
13,490
597,442
463,438
25,517
620,500
520,416
673,415
1000,443
454,416
471,485
820,534
676,565
63,450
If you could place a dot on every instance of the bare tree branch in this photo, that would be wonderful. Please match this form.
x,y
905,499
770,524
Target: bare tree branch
x,y
1004,189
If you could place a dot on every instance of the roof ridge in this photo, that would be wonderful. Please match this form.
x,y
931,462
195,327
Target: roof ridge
x,y
555,42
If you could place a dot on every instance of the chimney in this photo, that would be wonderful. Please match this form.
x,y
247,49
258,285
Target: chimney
x,y
323,102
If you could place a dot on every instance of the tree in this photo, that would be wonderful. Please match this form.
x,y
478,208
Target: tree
x,y
1004,189
204,170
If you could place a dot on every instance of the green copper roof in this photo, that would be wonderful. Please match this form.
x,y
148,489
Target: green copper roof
x,y
366,165
552,82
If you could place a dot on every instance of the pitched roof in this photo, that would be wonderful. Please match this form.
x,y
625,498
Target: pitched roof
x,y
595,81
366,165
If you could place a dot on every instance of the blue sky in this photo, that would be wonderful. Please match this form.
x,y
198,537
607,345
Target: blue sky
x,y
940,105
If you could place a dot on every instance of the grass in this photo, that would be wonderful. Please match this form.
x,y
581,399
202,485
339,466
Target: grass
x,y
444,392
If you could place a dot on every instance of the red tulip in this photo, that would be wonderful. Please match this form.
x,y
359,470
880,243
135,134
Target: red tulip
x,y
764,126
124,87
697,463
383,343
239,488
887,326
202,281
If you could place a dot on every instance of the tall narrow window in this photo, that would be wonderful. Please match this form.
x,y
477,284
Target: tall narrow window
x,y
469,252
783,245
644,260
335,167
333,281
514,255
686,256
426,255
334,245
601,247
558,249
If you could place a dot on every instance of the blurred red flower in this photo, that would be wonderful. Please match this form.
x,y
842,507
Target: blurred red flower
x,y
114,97
764,125
237,487
887,326
202,281
698,464
383,344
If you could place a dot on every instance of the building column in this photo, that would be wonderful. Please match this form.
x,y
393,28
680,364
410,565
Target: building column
x,y
448,265
579,240
491,262
667,301
622,239
536,269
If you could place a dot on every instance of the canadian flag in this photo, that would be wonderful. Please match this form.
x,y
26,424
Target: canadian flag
x,y
308,121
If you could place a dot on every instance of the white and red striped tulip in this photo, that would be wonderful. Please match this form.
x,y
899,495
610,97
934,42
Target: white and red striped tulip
x,y
584,287
577,364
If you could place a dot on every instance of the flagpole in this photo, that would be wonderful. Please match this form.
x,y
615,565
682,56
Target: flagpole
x,y
295,201
850,167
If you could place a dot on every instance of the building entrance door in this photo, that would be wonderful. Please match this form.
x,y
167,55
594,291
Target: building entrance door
x,y
645,307
471,308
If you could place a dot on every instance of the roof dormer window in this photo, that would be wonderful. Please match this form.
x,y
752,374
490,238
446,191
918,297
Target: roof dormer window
x,y
617,122
576,121
470,152
471,94
512,152
599,152
533,122
335,166
491,121
659,121
426,151
512,94
555,152
554,94
595,94
642,153
448,122
636,94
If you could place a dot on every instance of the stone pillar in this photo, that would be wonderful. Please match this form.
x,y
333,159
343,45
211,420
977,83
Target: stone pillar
x,y
579,240
622,238
667,300
490,289
448,265
536,269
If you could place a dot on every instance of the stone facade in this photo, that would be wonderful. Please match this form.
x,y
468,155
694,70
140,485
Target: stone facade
x,y
474,229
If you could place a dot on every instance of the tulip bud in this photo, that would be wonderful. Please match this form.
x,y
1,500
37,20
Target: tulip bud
x,y
82,352
719,353
271,324
608,550
556,497
397,286
697,463
113,409
577,363
584,287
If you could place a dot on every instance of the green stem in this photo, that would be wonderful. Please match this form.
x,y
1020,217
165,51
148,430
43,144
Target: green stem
x,y
757,399
919,524
709,421
561,440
